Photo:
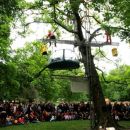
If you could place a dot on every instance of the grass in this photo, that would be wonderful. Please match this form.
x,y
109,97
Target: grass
x,y
125,124
62,125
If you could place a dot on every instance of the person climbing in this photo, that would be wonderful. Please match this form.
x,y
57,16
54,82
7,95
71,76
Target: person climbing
x,y
51,35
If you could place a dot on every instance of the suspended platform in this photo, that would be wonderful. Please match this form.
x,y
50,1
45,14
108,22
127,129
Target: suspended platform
x,y
63,64
63,60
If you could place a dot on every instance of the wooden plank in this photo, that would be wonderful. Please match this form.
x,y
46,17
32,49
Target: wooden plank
x,y
93,44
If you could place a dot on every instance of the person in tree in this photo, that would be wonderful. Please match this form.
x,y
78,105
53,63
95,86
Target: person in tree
x,y
108,36
51,35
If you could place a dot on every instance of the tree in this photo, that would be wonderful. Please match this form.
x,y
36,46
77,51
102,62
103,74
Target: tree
x,y
71,17
8,9
112,12
8,81
29,62
117,81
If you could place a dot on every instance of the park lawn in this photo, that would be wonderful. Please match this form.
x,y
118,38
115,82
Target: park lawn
x,y
62,125
59,125
125,124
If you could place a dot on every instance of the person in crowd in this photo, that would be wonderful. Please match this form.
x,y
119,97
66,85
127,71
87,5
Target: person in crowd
x,y
3,116
21,120
14,114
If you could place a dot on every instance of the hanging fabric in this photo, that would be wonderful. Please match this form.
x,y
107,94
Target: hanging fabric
x,y
79,85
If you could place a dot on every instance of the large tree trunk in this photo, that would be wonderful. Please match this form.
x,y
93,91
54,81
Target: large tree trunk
x,y
102,116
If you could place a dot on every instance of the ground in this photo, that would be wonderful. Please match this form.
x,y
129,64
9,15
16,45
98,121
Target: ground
x,y
62,125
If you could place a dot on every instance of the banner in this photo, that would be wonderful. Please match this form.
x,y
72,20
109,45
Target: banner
x,y
79,85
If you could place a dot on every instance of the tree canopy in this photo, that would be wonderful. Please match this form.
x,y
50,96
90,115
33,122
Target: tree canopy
x,y
79,17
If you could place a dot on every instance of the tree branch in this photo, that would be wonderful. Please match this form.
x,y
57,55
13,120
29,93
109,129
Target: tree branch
x,y
99,22
107,58
114,81
63,13
60,23
39,73
79,25
112,27
93,35
36,22
65,27
86,30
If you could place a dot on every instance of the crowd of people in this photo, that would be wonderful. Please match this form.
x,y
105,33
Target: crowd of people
x,y
17,113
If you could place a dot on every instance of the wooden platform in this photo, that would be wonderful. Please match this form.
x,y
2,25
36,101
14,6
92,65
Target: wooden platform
x,y
92,44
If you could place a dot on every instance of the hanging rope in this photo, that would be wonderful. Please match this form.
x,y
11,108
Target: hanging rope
x,y
89,65
87,24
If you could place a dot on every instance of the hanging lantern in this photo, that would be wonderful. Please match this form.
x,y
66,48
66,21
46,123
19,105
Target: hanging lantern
x,y
44,49
114,52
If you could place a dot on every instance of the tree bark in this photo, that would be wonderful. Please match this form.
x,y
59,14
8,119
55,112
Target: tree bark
x,y
102,116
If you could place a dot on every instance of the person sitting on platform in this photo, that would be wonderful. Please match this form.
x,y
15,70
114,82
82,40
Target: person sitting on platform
x,y
51,35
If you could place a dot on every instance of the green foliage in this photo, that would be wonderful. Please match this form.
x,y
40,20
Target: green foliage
x,y
8,10
99,54
75,5
8,82
28,61
117,87
9,7
115,12
25,64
